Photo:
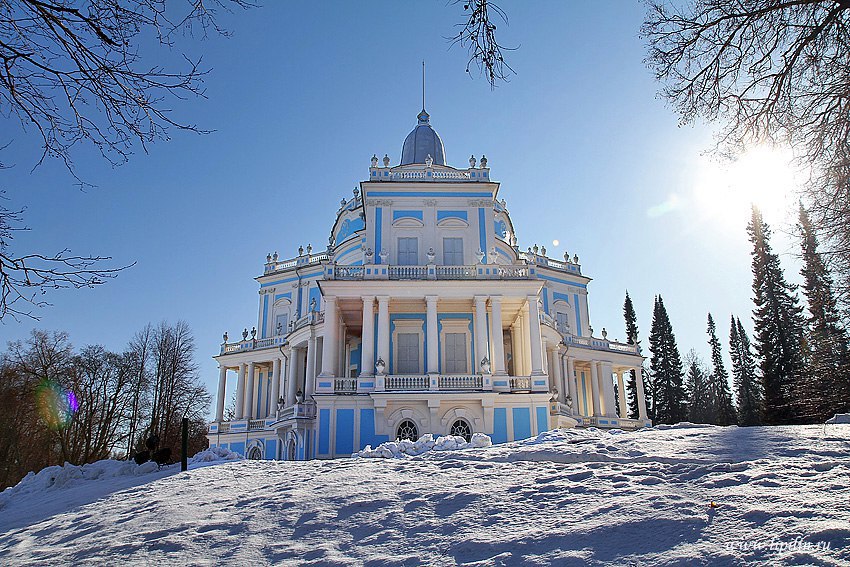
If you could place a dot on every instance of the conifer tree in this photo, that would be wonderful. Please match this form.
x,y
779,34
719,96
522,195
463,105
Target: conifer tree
x,y
779,326
696,384
826,382
719,395
670,397
748,387
632,339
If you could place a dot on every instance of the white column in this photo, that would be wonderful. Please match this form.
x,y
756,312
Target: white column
x,y
367,342
329,340
432,340
624,413
249,391
557,377
607,377
310,371
481,349
222,383
384,331
498,350
571,376
517,348
534,331
641,399
292,367
346,360
594,388
275,387
240,392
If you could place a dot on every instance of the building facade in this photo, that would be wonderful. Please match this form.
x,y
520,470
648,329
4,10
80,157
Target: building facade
x,y
421,316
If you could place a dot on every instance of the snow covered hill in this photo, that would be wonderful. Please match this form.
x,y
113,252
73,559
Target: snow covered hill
x,y
781,496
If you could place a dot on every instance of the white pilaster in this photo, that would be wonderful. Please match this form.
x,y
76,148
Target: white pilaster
x,y
498,347
384,331
556,376
222,383
534,332
240,392
367,345
431,335
329,340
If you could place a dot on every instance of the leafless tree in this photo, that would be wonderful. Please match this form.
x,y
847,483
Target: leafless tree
x,y
72,72
766,70
478,35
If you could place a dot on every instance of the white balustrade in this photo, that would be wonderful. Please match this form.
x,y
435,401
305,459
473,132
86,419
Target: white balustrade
x,y
407,382
461,382
345,385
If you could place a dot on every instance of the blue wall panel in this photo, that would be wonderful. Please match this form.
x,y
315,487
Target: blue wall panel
x,y
324,431
344,432
271,449
500,425
522,423
238,448
542,418
367,430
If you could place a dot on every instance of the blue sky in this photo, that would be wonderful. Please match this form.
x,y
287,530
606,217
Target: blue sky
x,y
303,94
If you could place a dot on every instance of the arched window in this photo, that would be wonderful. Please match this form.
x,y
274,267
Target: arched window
x,y
255,454
461,428
290,450
407,430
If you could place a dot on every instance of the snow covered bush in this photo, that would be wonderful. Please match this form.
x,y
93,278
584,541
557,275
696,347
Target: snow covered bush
x,y
426,443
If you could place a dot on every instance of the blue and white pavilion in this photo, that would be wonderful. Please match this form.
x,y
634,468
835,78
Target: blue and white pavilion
x,y
422,316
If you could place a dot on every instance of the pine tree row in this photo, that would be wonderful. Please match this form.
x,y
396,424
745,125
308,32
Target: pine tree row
x,y
796,371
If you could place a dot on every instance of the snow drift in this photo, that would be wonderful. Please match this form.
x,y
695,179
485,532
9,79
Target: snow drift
x,y
426,443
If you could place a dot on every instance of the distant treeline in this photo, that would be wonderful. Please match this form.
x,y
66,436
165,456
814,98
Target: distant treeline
x,y
58,404
796,370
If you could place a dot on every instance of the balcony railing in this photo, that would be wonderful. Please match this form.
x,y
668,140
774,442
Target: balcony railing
x,y
345,385
256,424
434,272
407,382
253,344
301,410
303,260
520,384
455,382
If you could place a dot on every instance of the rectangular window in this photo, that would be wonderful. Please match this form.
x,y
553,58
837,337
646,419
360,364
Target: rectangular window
x,y
408,353
455,353
408,251
453,252
562,321
281,324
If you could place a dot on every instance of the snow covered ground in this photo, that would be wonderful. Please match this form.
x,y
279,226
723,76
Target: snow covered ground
x,y
579,497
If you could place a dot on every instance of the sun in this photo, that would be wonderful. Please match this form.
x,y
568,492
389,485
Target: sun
x,y
762,175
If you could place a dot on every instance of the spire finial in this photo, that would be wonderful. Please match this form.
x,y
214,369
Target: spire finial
x,y
423,84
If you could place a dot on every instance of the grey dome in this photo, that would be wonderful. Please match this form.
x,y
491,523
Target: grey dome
x,y
422,142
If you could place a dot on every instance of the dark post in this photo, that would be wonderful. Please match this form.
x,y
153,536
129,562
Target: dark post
x,y
184,458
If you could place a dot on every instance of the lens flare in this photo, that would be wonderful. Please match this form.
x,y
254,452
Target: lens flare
x,y
56,405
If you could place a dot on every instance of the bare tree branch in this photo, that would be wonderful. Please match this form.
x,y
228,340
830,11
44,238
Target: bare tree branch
x,y
478,35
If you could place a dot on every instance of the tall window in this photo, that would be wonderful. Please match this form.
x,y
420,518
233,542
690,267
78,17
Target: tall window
x,y
408,353
408,251
453,251
407,430
462,429
455,348
281,324
562,320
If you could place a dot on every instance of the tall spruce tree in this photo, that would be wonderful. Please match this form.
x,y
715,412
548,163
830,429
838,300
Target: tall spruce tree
x,y
696,385
720,397
632,338
779,326
826,382
670,397
748,387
